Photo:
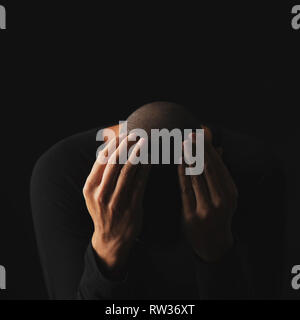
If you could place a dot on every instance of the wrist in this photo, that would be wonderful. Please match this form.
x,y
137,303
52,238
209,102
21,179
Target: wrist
x,y
113,257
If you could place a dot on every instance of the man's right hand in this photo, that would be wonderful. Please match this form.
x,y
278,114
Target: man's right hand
x,y
114,194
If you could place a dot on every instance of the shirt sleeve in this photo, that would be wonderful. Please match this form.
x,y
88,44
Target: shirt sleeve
x,y
94,285
253,266
64,228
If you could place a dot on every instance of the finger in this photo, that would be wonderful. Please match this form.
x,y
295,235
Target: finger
x,y
187,192
125,184
201,193
140,182
97,170
113,167
210,173
198,182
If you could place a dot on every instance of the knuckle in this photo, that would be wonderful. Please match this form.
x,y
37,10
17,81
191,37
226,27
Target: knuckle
x,y
112,207
98,197
203,211
101,199
87,189
189,216
219,203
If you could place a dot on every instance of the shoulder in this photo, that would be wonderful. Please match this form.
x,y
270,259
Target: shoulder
x,y
71,157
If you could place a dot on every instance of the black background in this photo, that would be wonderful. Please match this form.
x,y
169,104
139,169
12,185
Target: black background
x,y
67,66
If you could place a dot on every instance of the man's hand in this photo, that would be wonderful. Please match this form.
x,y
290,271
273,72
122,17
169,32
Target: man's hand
x,y
113,193
209,201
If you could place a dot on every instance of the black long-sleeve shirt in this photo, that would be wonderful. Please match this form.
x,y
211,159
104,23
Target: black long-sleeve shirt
x,y
251,269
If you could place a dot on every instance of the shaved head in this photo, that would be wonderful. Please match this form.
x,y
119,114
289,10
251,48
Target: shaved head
x,y
162,196
159,115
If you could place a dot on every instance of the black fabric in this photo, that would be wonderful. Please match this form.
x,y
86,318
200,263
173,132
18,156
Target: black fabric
x,y
158,268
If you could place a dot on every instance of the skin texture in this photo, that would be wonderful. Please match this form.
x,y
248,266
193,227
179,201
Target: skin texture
x,y
114,196
209,201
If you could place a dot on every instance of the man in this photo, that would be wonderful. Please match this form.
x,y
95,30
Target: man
x,y
150,231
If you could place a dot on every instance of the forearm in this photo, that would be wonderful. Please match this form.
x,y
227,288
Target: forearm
x,y
95,285
99,283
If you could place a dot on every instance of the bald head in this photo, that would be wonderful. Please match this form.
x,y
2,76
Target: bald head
x,y
159,115
162,195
